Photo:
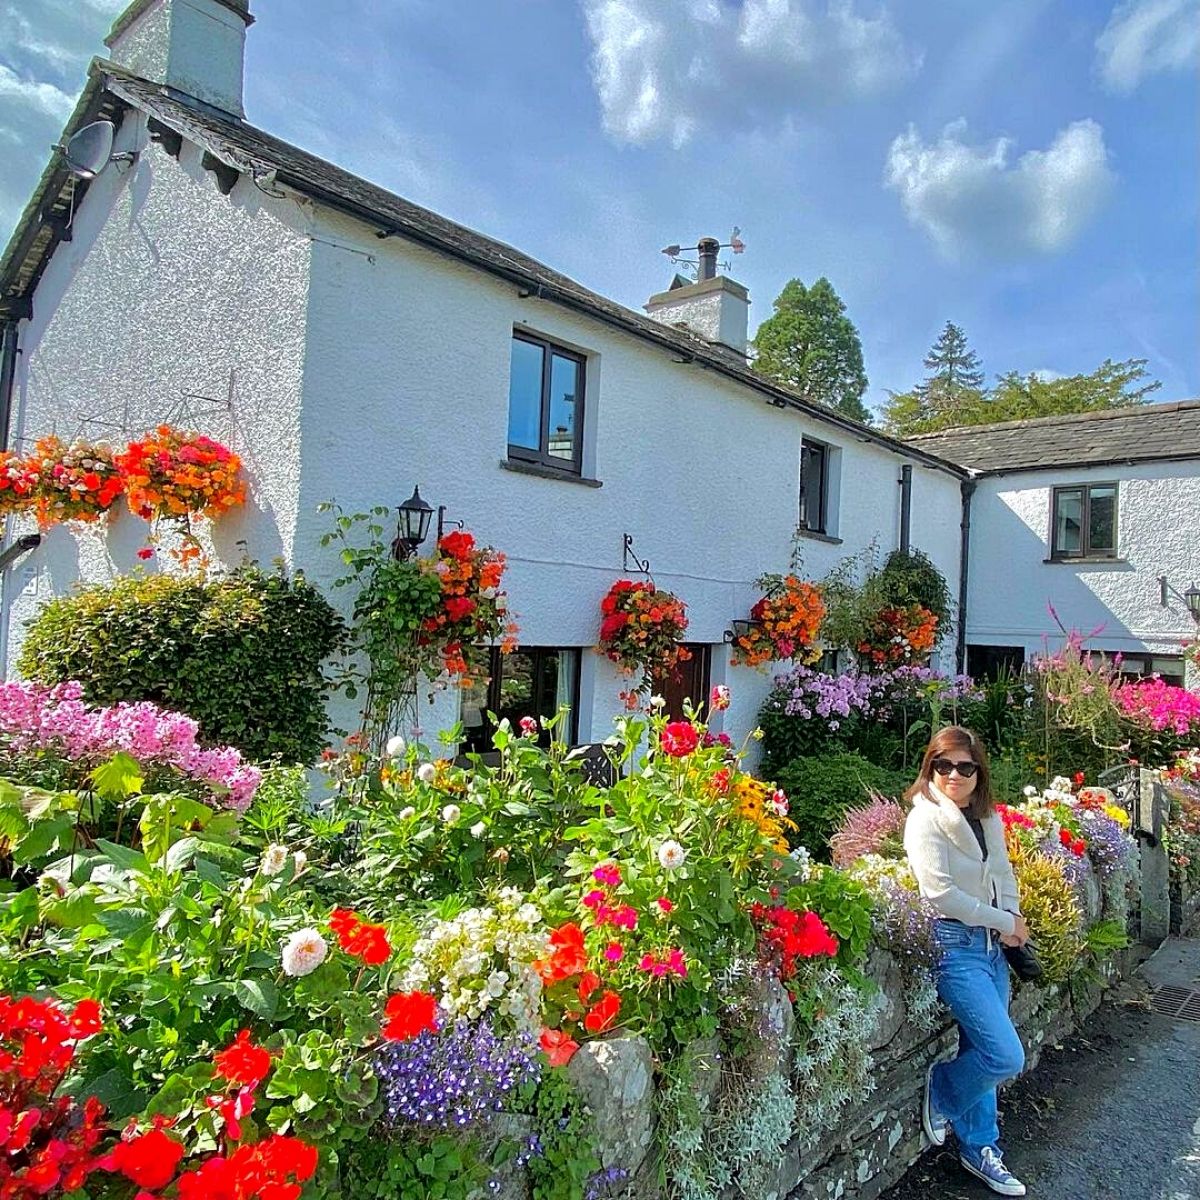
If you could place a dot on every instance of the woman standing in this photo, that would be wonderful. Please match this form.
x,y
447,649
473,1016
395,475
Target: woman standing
x,y
955,844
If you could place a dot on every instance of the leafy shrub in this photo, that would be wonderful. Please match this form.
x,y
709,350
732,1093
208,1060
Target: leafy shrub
x,y
1049,906
913,579
241,654
822,788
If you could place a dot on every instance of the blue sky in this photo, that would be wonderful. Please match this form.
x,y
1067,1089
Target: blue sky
x,y
1029,169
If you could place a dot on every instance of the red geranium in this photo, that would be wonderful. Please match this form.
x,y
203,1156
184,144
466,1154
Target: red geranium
x,y
603,1013
359,938
679,739
567,954
409,1014
147,1159
559,1047
457,544
786,935
243,1063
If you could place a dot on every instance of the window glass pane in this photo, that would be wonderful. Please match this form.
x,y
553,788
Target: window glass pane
x,y
1068,522
525,395
568,673
1102,520
1168,668
812,488
517,685
564,402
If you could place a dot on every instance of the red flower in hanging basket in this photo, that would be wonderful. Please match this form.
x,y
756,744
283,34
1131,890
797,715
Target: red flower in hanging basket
x,y
642,628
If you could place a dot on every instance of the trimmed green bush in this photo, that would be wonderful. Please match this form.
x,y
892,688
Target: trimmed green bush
x,y
241,654
821,788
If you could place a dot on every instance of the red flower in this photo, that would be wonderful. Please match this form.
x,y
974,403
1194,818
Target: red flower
x,y
1078,847
243,1063
664,905
567,954
147,1159
359,938
409,1014
145,552
86,1020
1079,777
603,1013
1064,836
612,625
589,981
458,607
560,1047
457,544
679,739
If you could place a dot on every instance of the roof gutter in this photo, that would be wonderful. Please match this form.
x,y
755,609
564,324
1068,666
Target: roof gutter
x,y
1126,461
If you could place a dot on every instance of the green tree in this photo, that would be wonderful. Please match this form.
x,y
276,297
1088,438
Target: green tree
x,y
811,345
951,394
1111,385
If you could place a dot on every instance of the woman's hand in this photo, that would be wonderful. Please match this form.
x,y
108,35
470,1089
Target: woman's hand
x,y
1020,933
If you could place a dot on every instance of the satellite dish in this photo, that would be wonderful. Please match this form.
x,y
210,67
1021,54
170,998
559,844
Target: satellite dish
x,y
89,151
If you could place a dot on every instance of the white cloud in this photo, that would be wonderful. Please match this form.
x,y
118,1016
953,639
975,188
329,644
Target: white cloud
x,y
667,68
973,200
42,97
1143,37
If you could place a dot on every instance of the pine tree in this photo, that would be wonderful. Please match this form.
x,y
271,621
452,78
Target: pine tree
x,y
811,345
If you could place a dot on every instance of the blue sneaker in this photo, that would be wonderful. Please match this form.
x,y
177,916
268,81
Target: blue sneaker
x,y
935,1125
986,1164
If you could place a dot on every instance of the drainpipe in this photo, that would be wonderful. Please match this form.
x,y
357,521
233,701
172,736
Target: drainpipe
x,y
905,508
964,551
8,375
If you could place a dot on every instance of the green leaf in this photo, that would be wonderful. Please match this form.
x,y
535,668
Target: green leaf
x,y
122,856
118,778
260,996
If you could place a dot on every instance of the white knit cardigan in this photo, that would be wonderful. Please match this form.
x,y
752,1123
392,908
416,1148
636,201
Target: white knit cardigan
x,y
951,872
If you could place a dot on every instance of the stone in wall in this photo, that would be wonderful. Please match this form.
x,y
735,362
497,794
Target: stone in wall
x,y
614,1077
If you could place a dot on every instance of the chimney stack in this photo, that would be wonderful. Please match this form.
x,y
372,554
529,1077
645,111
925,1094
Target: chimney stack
x,y
194,46
714,308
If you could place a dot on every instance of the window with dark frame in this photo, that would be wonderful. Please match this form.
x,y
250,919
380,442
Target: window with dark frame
x,y
814,458
545,404
532,681
1083,522
1169,667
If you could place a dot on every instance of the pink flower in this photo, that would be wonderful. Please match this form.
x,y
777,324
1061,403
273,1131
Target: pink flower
x,y
676,963
664,905
779,802
529,726
719,700
593,899
679,738
608,873
625,917
614,952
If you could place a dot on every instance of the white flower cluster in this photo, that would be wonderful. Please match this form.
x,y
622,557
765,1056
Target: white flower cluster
x,y
873,871
804,862
482,961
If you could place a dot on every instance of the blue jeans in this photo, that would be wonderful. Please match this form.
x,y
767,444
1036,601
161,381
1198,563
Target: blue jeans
x,y
973,982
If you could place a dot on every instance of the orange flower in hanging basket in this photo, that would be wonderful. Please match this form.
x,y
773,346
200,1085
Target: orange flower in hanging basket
x,y
79,482
899,635
642,628
171,473
18,479
784,623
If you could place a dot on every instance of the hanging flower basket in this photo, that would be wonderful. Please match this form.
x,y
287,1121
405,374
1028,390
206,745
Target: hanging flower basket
x,y
18,479
472,612
171,473
79,482
899,635
642,629
783,624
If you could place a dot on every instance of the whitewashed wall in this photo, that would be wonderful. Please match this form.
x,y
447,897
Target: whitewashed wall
x,y
168,290
407,382
1011,584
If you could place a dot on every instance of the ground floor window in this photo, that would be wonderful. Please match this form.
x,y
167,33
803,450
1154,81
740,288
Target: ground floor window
x,y
533,681
990,662
1136,665
689,680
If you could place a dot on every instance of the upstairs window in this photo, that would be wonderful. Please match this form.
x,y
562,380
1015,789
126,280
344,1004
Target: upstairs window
x,y
1084,521
814,489
545,404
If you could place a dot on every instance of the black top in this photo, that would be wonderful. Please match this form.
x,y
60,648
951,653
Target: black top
x,y
977,829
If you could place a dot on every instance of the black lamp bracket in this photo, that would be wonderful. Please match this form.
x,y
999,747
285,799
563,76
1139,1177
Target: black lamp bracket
x,y
627,552
443,523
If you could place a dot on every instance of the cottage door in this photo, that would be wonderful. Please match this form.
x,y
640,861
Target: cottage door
x,y
688,681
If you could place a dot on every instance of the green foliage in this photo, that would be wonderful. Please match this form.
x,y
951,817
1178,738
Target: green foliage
x,y
241,653
1111,385
823,787
913,579
949,395
439,1166
844,904
811,345
854,592
1049,906
564,1129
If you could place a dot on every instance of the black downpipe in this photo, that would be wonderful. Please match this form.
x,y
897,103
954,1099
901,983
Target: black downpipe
x,y
8,377
968,490
906,508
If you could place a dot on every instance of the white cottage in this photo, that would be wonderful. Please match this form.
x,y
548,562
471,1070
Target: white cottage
x,y
1095,516
350,344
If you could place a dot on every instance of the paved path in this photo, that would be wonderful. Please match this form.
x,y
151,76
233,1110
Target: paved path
x,y
1112,1115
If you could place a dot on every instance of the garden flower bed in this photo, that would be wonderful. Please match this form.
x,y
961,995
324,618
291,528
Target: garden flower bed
x,y
475,980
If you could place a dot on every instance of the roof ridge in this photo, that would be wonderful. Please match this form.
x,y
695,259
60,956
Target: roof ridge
x,y
1153,407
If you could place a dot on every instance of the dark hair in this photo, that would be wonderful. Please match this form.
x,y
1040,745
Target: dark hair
x,y
956,737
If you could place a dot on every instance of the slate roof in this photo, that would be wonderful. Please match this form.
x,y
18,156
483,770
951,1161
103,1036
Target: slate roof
x,y
1144,433
272,162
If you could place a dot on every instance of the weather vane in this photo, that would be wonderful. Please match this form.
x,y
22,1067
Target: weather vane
x,y
705,266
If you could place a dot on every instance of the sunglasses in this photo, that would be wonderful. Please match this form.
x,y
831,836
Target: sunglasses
x,y
943,766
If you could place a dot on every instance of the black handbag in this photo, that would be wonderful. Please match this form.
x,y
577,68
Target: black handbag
x,y
1025,962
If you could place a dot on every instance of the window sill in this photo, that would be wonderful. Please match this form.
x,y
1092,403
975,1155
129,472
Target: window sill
x,y
1091,560
529,468
818,537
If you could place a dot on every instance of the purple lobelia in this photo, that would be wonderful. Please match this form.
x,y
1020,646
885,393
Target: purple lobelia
x,y
455,1079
